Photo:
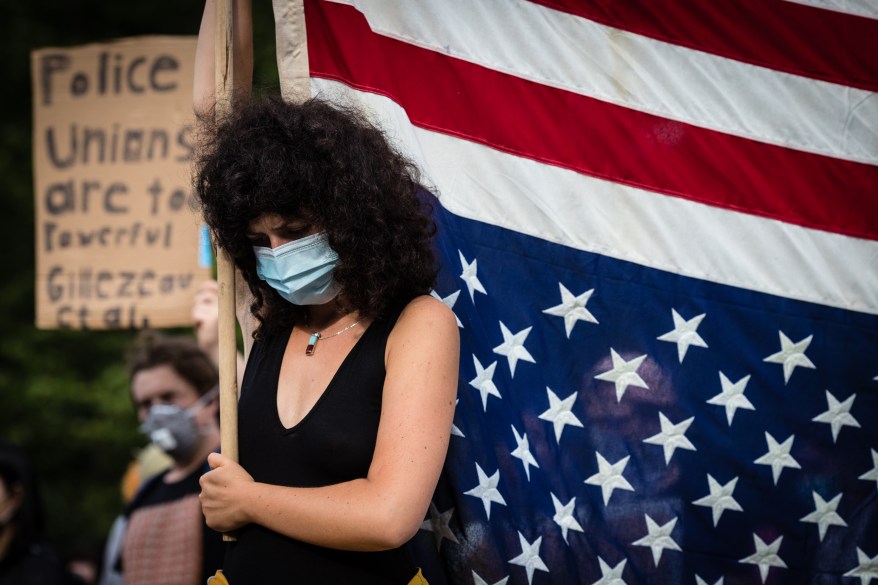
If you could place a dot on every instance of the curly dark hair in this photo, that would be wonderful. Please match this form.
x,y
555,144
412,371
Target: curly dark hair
x,y
330,166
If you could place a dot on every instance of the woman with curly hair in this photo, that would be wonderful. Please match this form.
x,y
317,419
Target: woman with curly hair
x,y
348,394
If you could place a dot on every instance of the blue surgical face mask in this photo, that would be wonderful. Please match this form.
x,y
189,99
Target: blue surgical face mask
x,y
300,271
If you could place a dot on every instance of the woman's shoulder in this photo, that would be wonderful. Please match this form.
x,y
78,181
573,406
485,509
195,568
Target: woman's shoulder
x,y
426,308
425,319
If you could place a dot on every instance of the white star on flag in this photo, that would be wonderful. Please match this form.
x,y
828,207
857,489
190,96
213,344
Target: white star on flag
x,y
611,575
564,516
866,570
513,347
732,396
684,334
456,432
872,474
487,490
560,413
658,538
449,302
700,581
791,355
778,456
530,557
609,477
720,498
572,308
470,277
824,514
765,556
623,374
673,436
477,580
522,451
438,525
484,382
837,414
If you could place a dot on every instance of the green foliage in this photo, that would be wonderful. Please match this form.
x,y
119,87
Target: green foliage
x,y
64,394
65,399
80,431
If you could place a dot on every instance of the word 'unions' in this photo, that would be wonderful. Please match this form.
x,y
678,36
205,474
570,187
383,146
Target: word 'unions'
x,y
112,74
84,145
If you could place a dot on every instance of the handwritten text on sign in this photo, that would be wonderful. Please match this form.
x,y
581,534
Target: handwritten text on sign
x,y
117,238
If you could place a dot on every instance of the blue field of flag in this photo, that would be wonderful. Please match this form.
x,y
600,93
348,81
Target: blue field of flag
x,y
614,417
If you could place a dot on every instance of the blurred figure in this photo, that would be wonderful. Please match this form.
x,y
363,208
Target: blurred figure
x,y
205,320
84,561
152,460
148,462
163,537
24,558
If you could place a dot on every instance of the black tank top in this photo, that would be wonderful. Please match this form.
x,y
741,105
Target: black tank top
x,y
333,443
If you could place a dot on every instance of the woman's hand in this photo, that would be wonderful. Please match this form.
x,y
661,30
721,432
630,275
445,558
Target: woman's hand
x,y
223,491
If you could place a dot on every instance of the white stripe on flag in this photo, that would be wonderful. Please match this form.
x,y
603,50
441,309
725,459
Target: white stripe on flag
x,y
623,68
631,224
867,8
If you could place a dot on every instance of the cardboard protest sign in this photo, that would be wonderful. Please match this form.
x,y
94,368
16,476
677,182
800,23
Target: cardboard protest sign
x,y
117,240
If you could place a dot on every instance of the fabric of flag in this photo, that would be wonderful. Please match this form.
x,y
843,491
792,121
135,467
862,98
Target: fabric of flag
x,y
657,229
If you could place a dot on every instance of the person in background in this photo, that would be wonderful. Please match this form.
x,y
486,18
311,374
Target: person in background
x,y
25,559
151,460
83,561
348,395
205,321
164,539
148,462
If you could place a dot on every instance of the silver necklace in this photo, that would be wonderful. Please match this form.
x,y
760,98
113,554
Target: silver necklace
x,y
318,335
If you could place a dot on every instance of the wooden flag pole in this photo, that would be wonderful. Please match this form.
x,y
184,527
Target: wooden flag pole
x,y
228,350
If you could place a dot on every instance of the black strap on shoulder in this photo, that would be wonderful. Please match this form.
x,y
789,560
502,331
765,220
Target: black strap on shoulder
x,y
144,490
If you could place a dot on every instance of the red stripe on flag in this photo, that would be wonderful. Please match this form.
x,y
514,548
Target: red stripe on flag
x,y
593,137
821,44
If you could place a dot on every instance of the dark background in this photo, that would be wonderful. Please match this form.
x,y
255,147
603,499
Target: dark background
x,y
64,394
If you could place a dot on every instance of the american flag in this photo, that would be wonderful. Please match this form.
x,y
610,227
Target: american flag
x,y
658,226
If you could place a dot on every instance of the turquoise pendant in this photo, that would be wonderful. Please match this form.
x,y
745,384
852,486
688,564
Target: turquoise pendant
x,y
312,344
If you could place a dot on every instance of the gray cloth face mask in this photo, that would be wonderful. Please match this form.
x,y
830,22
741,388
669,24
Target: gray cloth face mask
x,y
172,428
